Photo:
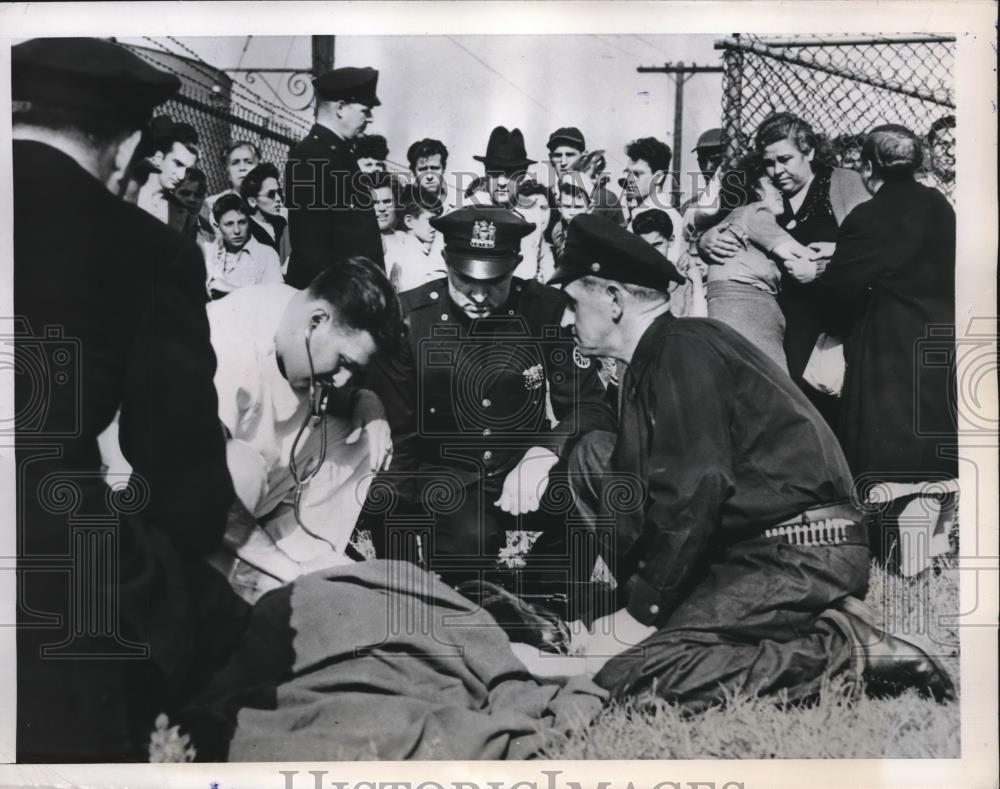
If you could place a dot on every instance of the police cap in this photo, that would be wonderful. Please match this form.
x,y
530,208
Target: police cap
x,y
87,78
597,246
482,242
351,85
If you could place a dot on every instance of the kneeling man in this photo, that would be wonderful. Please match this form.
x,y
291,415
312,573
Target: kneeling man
x,y
742,568
301,472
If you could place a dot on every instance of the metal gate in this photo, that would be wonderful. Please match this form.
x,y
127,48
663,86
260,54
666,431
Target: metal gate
x,y
842,86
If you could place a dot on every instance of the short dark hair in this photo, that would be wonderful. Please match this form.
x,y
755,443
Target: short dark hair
x,y
364,300
197,176
653,220
371,146
786,126
254,179
165,135
413,201
893,151
650,150
567,187
425,148
235,145
229,202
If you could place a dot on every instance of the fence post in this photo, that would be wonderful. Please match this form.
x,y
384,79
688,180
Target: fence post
x,y
732,109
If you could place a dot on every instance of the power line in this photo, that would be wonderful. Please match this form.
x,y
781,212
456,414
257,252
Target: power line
x,y
490,68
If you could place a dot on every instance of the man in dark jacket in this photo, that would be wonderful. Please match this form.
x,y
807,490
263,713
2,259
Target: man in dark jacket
x,y
475,450
741,563
330,214
112,321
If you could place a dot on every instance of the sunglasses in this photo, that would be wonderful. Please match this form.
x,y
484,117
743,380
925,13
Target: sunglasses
x,y
270,194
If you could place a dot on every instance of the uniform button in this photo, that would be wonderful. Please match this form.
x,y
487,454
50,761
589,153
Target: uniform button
x,y
654,609
487,432
487,402
510,312
642,564
432,410
434,295
487,455
444,316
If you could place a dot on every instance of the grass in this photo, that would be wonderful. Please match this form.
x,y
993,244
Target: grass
x,y
841,724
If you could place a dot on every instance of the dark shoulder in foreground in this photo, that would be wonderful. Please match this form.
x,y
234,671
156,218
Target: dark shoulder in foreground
x,y
423,296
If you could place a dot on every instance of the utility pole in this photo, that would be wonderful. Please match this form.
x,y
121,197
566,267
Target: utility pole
x,y
681,75
322,54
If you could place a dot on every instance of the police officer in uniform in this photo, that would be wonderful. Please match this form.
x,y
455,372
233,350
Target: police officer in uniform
x,y
475,445
118,617
330,209
744,567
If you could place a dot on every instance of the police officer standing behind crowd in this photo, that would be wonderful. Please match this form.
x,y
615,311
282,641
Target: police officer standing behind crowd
x,y
467,399
330,212
117,617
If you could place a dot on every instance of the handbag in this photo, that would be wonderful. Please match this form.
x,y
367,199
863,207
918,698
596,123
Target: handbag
x,y
825,369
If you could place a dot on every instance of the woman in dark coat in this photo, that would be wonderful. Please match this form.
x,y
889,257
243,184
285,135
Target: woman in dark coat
x,y
892,279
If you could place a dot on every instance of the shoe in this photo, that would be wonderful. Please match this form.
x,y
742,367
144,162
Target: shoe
x,y
888,663
523,622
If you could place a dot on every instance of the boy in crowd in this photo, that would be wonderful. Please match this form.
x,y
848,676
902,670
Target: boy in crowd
x,y
371,150
384,188
687,300
411,261
191,194
645,186
261,191
237,259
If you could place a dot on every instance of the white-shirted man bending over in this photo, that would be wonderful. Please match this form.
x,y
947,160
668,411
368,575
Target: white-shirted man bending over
x,y
273,345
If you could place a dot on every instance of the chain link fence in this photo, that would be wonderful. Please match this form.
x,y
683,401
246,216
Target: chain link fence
x,y
221,110
843,87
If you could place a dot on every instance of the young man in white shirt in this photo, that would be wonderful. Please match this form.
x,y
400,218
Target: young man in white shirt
x,y
236,259
645,187
416,258
285,360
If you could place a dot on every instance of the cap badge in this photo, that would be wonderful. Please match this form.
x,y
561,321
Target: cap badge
x,y
484,235
579,359
533,377
595,267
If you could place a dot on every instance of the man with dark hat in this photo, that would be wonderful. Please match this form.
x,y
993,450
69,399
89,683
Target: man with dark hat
x,y
507,185
112,308
330,214
475,449
743,568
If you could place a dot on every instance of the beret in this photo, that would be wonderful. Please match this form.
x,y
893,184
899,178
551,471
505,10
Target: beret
x,y
482,242
349,84
597,246
88,77
567,135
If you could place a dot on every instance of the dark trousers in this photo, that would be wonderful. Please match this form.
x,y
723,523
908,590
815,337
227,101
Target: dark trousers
x,y
806,313
751,623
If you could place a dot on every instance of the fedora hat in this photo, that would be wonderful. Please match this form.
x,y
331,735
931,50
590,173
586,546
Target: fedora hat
x,y
505,151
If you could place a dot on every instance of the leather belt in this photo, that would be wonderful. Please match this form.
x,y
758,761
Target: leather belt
x,y
832,525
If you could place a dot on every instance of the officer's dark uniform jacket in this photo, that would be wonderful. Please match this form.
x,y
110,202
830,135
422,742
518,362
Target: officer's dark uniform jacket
x,y
330,213
111,304
467,397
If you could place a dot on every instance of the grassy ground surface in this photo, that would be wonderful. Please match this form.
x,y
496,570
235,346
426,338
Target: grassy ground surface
x,y
841,724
